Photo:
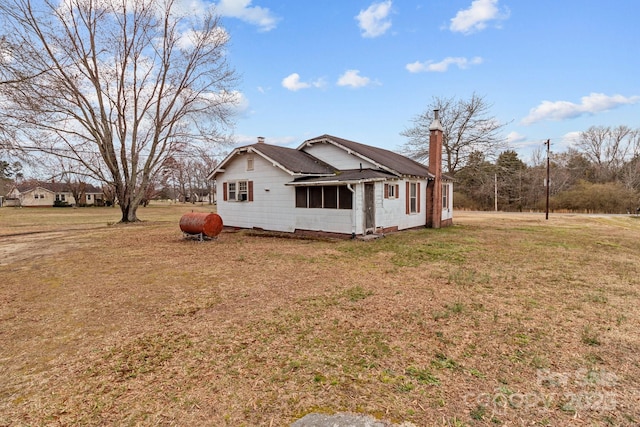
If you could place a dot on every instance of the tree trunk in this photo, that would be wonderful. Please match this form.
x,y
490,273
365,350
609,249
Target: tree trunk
x,y
128,205
128,210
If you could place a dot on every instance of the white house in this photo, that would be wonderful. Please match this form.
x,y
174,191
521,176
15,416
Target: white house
x,y
47,194
332,185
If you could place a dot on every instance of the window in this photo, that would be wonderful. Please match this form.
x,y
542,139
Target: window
x,y
345,198
237,191
330,197
326,197
391,191
315,197
413,197
445,196
35,196
232,191
242,191
249,163
301,197
88,196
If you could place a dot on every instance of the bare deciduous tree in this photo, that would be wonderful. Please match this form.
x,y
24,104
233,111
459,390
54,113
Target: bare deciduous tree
x,y
114,85
187,176
608,148
468,127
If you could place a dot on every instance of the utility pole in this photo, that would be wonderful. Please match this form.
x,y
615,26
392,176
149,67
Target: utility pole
x,y
548,143
495,191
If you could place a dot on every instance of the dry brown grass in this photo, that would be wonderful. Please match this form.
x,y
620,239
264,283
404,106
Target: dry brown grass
x,y
499,320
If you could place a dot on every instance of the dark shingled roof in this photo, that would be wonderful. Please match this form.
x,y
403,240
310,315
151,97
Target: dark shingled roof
x,y
394,161
294,160
54,187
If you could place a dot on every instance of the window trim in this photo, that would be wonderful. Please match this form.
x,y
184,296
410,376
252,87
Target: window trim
x,y
415,208
303,201
240,190
445,196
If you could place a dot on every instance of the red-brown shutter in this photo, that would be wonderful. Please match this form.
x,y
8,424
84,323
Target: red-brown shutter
x,y
408,198
418,197
386,191
250,189
397,191
224,191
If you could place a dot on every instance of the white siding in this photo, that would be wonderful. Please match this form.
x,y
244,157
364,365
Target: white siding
x,y
45,198
271,198
392,212
336,156
273,206
411,220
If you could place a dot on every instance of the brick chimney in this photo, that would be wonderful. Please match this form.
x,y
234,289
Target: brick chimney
x,y
261,140
434,190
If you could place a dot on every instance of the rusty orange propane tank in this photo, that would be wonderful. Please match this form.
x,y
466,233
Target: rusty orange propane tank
x,y
209,224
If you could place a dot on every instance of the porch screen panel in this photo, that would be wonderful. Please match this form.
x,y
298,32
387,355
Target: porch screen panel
x,y
331,197
301,197
345,200
315,197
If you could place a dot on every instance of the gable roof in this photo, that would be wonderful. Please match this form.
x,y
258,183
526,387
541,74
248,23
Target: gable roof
x,y
290,160
296,161
382,158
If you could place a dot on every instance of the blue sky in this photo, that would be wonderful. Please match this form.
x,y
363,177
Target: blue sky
x,y
362,70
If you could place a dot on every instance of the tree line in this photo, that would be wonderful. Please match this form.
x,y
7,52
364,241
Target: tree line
x,y
599,173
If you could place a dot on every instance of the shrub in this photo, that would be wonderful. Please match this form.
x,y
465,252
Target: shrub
x,y
602,198
61,204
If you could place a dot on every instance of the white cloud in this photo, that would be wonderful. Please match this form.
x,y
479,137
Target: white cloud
x,y
475,18
515,138
570,138
374,21
442,66
242,9
354,79
592,104
293,83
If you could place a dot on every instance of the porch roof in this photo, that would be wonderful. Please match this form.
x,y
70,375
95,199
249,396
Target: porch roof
x,y
349,176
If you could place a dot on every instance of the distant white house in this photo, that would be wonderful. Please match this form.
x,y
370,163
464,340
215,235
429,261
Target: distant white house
x,y
46,194
332,185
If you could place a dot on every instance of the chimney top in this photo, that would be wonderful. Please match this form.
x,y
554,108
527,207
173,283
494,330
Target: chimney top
x,y
261,140
436,125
